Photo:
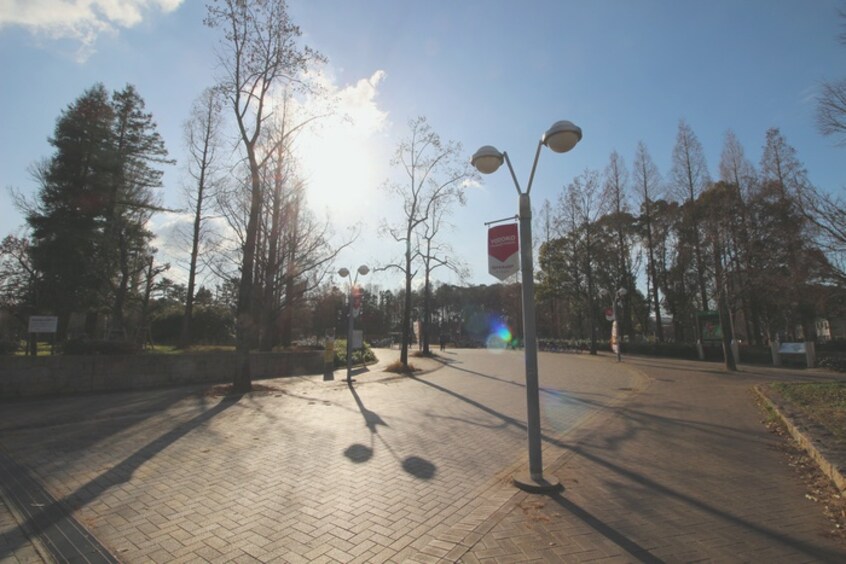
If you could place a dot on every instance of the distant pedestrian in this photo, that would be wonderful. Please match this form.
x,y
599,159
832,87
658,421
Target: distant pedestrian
x,y
443,341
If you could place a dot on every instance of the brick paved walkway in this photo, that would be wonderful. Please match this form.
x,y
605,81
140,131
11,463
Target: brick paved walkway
x,y
14,546
684,471
311,471
662,461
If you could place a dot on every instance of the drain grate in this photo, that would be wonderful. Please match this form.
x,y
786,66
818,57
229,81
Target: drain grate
x,y
45,519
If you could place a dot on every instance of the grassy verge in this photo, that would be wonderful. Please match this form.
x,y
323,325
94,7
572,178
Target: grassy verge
x,y
823,403
172,349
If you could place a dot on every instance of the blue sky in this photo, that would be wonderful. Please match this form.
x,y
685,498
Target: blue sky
x,y
483,72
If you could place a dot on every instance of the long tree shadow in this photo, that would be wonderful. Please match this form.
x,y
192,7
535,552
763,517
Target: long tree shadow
x,y
111,407
615,536
45,516
552,392
651,485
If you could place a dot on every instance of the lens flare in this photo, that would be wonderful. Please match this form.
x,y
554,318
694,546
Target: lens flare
x,y
504,333
500,337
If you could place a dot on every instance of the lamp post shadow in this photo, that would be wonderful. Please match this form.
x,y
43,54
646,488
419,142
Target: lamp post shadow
x,y
358,453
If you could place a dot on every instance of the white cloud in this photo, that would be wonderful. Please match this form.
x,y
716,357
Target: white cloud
x,y
81,21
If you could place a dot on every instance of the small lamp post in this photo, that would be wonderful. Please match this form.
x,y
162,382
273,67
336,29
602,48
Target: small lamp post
x,y
560,138
617,307
345,273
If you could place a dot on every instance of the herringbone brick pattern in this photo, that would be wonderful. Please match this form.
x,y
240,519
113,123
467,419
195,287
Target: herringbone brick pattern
x,y
312,471
684,471
662,461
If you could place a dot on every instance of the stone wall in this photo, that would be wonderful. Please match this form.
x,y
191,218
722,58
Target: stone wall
x,y
55,375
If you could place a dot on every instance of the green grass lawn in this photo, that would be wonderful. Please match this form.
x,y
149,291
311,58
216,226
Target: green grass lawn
x,y
44,349
823,403
171,349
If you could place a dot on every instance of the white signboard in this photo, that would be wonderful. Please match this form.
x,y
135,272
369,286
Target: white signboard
x,y
503,251
791,348
357,338
43,323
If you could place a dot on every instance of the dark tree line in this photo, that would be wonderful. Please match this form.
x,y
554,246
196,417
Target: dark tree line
x,y
467,315
758,246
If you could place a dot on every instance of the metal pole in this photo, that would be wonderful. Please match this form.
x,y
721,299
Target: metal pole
x,y
617,323
535,481
350,323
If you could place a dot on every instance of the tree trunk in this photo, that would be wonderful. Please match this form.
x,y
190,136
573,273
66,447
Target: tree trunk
x,y
185,334
659,329
242,380
406,310
722,307
427,315
269,306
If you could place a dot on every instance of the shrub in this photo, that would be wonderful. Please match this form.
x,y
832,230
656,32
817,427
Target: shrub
x,y
670,350
836,362
9,347
360,356
755,355
94,347
209,325
838,346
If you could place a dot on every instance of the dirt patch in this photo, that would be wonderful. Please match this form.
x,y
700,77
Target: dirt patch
x,y
398,368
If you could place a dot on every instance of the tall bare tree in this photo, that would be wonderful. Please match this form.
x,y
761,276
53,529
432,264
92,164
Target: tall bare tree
x,y
831,110
435,253
689,177
831,103
18,278
780,165
783,191
589,204
202,132
647,182
739,173
259,52
433,173
615,192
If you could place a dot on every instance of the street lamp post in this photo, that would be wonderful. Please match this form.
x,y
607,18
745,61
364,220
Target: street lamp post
x,y
617,307
560,138
345,273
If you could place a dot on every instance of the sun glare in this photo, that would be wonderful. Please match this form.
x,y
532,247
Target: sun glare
x,y
338,166
341,157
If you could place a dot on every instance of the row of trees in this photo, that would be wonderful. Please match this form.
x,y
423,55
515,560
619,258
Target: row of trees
x,y
88,251
754,245
760,245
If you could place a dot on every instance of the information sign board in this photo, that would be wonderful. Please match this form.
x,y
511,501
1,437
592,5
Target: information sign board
x,y
43,323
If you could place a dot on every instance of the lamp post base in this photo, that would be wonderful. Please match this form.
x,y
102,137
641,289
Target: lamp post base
x,y
546,484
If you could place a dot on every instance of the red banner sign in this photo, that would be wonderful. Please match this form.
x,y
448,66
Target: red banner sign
x,y
503,250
